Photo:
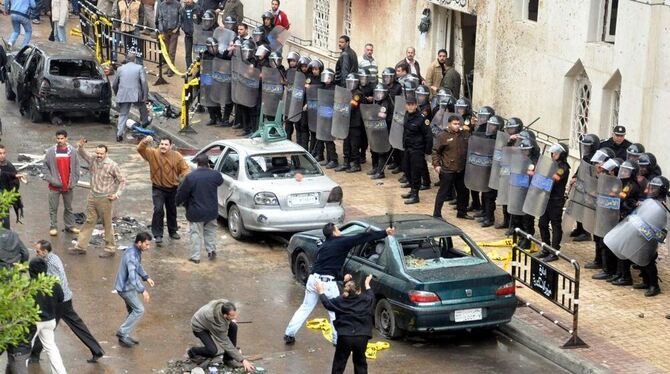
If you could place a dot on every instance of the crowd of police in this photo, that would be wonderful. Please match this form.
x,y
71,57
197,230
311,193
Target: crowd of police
x,y
482,159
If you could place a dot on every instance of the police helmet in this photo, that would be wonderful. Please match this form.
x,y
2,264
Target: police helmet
x,y
363,75
422,94
208,20
327,76
388,76
602,155
352,81
628,169
634,151
588,143
484,114
658,187
380,92
493,125
513,126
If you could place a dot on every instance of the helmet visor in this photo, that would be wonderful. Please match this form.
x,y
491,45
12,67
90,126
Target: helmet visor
x,y
421,98
327,77
491,129
379,95
610,165
556,148
625,172
352,84
599,157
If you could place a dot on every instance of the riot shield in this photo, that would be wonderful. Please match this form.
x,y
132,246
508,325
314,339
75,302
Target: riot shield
x,y
581,204
324,121
221,87
272,90
519,181
636,238
478,166
376,128
436,127
504,175
206,83
607,204
224,37
249,81
200,38
312,90
539,191
297,97
342,113
501,141
235,66
277,37
286,98
397,129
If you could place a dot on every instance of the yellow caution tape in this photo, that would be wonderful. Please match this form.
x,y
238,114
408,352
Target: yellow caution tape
x,y
498,243
326,329
184,105
166,56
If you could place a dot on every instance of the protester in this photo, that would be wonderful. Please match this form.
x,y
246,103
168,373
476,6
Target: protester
x,y
436,72
19,11
130,88
214,324
187,26
105,7
107,184
413,64
61,171
353,323
452,79
367,61
281,19
149,7
132,14
65,310
128,285
47,324
198,193
347,63
168,23
9,180
235,9
332,254
59,19
167,169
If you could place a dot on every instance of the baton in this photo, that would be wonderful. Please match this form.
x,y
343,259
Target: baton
x,y
531,124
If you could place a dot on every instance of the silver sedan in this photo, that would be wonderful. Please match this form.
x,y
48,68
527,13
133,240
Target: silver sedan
x,y
272,187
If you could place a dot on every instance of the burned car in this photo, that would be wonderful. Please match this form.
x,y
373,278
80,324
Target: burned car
x,y
56,78
271,187
429,277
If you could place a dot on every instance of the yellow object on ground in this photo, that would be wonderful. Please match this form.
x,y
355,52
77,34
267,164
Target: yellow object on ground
x,y
327,330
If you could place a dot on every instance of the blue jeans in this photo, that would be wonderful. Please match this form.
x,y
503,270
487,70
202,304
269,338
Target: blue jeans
x,y
59,33
135,310
75,7
17,22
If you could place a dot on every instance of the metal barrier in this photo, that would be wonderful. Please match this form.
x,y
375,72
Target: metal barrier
x,y
554,285
101,33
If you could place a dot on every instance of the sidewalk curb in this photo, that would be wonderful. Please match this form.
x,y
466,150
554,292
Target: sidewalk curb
x,y
531,337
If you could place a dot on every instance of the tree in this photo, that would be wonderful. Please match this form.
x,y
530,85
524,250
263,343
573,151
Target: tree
x,y
18,310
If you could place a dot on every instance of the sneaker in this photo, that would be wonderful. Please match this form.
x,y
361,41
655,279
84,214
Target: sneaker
x,y
106,254
212,255
76,251
36,21
158,240
288,340
72,230
175,236
194,261
53,232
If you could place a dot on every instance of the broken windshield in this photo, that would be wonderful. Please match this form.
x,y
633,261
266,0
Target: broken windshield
x,y
74,68
281,165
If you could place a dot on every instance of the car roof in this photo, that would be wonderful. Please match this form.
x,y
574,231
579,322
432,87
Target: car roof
x,y
56,50
413,225
253,146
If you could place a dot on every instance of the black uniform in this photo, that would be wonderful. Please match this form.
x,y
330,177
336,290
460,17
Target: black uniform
x,y
291,124
368,92
525,221
302,128
315,146
418,142
378,159
488,203
394,90
554,211
329,145
351,146
619,150
213,111
631,194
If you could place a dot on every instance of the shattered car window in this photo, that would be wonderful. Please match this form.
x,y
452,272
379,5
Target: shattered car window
x,y
74,68
439,252
281,165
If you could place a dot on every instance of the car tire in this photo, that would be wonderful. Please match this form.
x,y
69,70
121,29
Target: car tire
x,y
235,223
9,94
35,115
103,117
301,267
385,320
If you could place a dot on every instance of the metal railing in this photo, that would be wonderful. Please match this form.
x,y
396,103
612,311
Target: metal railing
x,y
551,283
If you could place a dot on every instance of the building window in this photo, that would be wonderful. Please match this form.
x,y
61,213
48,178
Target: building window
x,y
321,11
346,27
614,117
530,8
609,24
580,111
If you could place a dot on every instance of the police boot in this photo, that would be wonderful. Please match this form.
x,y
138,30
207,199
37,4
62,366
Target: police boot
x,y
487,223
372,171
542,254
354,168
343,167
601,275
407,195
413,198
652,291
504,224
378,175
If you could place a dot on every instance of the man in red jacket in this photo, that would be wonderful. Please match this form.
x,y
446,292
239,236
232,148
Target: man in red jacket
x,y
281,19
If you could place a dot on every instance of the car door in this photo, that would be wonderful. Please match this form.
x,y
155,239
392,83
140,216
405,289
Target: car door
x,y
229,166
367,259
213,153
18,62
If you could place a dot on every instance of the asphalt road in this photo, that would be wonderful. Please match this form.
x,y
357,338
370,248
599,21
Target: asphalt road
x,y
253,273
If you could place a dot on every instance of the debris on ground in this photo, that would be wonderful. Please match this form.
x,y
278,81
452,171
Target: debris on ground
x,y
190,366
32,164
125,228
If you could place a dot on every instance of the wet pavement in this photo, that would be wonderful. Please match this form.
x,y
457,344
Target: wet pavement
x,y
253,273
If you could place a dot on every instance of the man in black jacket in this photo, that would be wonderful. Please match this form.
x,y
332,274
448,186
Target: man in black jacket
x,y
617,142
347,63
198,193
418,142
329,261
353,322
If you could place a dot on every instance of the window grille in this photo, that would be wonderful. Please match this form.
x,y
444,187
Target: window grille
x,y
321,11
580,112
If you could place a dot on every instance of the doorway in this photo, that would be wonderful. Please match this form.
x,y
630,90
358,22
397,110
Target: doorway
x,y
469,35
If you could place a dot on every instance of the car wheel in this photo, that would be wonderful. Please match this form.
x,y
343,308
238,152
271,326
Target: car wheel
x,y
9,94
302,266
103,117
385,320
235,223
35,115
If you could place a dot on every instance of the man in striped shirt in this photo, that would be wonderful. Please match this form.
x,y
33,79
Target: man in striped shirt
x,y
65,310
107,183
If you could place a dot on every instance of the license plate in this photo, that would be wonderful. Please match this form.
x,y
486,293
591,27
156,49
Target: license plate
x,y
468,315
303,199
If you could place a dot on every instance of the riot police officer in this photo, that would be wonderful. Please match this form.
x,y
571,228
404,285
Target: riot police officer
x,y
328,82
291,124
656,189
418,142
213,108
634,151
379,160
351,145
588,144
617,142
554,212
422,99
488,198
313,81
526,222
247,112
367,86
394,89
649,168
606,164
302,136
513,128
483,115
268,20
